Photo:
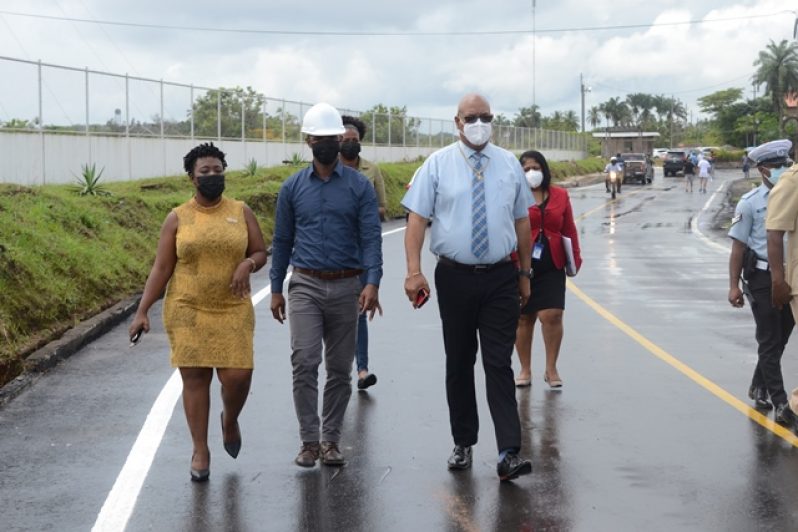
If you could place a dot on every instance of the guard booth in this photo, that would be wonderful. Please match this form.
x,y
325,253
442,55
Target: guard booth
x,y
626,141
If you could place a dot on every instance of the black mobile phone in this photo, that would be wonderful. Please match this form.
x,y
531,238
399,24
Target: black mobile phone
x,y
136,337
421,297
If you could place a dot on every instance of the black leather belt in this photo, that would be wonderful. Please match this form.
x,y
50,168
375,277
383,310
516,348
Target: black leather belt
x,y
329,275
473,268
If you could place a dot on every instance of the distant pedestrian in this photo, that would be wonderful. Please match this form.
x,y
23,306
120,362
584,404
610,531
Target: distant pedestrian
x,y
704,167
748,259
208,248
746,166
550,219
328,227
355,131
689,174
477,198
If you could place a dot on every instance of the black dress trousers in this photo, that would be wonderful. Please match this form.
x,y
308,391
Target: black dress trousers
x,y
480,308
773,328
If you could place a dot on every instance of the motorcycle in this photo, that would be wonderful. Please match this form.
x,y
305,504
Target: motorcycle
x,y
613,183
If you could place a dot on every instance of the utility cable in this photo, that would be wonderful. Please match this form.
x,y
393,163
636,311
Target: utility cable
x,y
44,82
389,33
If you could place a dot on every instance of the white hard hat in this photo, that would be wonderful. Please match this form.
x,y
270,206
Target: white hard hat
x,y
322,120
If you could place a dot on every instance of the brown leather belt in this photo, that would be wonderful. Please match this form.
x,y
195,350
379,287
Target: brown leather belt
x,y
328,275
474,268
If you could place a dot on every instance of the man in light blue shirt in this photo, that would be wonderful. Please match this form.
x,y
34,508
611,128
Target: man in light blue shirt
x,y
476,195
749,258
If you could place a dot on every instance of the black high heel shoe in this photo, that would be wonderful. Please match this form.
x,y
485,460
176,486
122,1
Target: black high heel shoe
x,y
233,447
200,475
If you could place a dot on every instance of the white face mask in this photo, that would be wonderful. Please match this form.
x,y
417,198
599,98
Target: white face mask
x,y
534,178
477,133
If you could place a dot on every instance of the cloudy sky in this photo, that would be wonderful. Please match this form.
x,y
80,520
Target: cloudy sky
x,y
427,73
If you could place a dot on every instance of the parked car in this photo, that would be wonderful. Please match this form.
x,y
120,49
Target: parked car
x,y
674,162
637,167
659,153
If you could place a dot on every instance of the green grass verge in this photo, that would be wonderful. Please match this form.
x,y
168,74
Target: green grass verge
x,y
65,257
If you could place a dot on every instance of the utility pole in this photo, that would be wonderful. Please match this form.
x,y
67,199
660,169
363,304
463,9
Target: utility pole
x,y
534,5
583,89
756,120
671,121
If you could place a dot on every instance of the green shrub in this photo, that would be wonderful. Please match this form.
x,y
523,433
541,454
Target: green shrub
x,y
251,168
729,156
88,182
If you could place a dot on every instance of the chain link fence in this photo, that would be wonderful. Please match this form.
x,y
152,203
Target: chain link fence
x,y
41,97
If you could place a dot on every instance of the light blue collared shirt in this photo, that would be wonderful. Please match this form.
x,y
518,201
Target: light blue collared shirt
x,y
441,191
748,224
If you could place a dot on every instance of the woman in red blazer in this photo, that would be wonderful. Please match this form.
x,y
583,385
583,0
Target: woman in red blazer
x,y
551,218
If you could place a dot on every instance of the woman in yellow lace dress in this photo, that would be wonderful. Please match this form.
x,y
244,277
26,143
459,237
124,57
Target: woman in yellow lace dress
x,y
208,248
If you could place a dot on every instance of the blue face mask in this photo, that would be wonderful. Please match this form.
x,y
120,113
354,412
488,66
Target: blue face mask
x,y
775,174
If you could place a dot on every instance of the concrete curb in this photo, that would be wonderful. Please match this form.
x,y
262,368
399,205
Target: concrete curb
x,y
51,354
581,180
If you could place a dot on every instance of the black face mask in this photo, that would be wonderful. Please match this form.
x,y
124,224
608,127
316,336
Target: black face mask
x,y
350,150
325,151
210,186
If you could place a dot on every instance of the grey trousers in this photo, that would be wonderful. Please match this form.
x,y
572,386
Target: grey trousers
x,y
322,311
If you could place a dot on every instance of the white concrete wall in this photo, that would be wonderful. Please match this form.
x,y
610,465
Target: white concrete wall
x,y
137,158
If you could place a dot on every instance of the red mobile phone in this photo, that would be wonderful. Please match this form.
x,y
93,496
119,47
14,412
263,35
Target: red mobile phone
x,y
421,297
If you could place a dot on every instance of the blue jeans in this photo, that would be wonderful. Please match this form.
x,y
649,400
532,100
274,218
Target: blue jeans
x,y
362,345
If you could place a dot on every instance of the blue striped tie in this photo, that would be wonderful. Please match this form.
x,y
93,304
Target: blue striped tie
x,y
479,216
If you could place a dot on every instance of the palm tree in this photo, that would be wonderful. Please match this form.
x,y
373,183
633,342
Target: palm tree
x,y
777,68
528,117
594,116
570,121
641,105
616,110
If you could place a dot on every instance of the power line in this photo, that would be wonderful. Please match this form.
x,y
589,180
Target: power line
x,y
626,91
386,33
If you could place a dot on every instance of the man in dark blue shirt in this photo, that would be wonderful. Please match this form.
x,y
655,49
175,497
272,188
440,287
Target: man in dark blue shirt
x,y
328,227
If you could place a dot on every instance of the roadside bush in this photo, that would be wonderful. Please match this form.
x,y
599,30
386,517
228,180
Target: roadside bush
x,y
729,156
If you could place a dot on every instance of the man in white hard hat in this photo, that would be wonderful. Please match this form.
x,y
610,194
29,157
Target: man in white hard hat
x,y
478,199
327,227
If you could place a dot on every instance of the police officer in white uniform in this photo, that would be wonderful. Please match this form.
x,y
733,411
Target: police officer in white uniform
x,y
749,259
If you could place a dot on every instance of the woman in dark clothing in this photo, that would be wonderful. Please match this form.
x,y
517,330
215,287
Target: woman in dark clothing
x,y
551,219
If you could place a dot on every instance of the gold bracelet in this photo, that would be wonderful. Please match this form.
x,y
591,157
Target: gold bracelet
x,y
254,264
409,275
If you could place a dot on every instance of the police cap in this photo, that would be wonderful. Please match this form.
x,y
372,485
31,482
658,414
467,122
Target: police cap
x,y
776,151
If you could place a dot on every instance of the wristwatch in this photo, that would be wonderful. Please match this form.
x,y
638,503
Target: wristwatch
x,y
529,274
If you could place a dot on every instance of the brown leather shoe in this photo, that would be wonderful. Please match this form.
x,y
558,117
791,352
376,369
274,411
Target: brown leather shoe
x,y
330,455
308,454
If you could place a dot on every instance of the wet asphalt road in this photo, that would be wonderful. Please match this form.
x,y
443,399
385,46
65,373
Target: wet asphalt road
x,y
633,441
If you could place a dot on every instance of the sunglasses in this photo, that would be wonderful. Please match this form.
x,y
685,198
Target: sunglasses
x,y
485,118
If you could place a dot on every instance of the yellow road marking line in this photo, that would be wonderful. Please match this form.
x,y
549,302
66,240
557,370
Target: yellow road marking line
x,y
686,370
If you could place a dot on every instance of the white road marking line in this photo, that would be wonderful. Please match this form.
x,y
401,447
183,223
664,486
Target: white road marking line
x,y
118,506
392,231
694,223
